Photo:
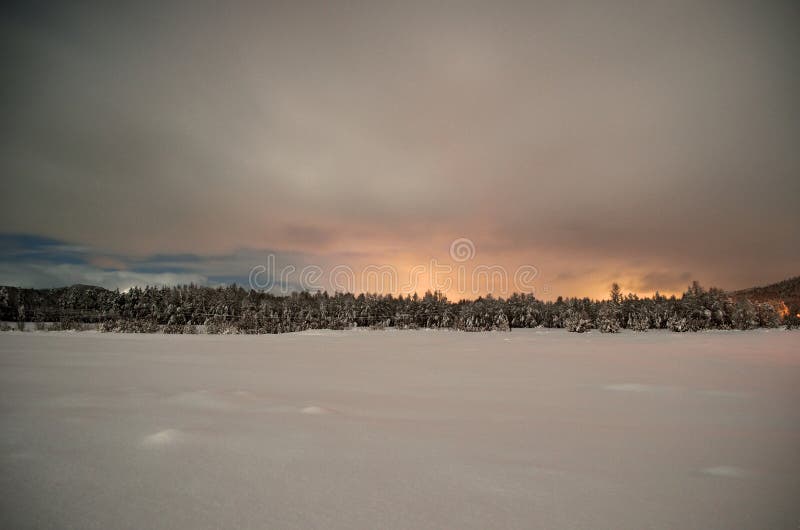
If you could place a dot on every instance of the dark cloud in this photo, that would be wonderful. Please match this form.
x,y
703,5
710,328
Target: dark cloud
x,y
23,248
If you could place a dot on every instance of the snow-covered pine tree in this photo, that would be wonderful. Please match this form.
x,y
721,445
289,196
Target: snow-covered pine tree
x,y
577,321
638,320
767,316
607,319
744,315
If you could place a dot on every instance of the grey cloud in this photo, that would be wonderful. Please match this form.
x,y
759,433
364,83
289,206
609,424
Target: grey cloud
x,y
633,135
663,280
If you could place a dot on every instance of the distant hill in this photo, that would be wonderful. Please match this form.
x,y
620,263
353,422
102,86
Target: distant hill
x,y
786,292
78,299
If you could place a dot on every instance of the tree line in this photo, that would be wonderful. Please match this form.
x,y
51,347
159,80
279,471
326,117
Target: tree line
x,y
233,309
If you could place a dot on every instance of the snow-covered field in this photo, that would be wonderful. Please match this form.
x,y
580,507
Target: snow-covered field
x,y
400,429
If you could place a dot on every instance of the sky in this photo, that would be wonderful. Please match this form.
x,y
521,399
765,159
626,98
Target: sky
x,y
649,143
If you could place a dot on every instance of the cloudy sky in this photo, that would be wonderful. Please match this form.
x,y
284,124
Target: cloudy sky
x,y
646,142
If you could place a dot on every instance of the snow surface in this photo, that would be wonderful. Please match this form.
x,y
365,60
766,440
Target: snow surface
x,y
400,429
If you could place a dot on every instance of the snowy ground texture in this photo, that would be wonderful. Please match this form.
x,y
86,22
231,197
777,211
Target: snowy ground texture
x,y
400,429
